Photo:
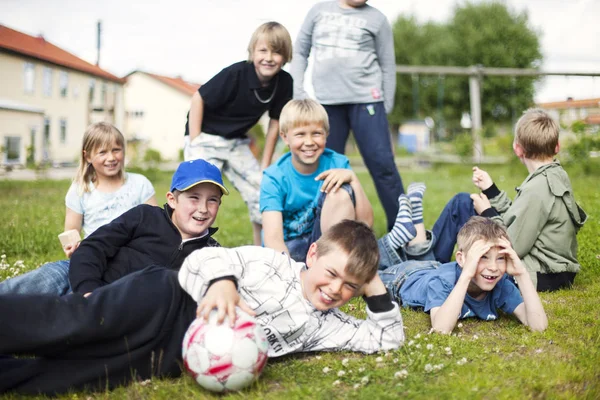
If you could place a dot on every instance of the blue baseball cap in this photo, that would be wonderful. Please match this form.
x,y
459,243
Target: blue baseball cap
x,y
194,172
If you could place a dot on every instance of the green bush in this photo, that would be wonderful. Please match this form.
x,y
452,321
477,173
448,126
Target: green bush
x,y
578,152
152,157
463,145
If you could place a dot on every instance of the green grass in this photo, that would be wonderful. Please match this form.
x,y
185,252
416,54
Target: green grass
x,y
504,360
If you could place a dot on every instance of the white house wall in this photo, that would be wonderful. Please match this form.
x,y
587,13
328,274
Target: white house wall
x,y
73,108
164,114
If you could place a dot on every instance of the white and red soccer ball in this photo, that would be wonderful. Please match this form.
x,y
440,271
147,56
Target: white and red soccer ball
x,y
222,358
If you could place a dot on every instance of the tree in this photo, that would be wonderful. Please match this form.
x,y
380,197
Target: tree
x,y
487,34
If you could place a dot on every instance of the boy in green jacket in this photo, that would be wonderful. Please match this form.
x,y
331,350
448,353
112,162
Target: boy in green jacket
x,y
543,219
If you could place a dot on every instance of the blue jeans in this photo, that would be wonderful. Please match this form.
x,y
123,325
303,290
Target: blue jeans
x,y
369,125
388,256
394,277
454,215
440,241
298,247
51,278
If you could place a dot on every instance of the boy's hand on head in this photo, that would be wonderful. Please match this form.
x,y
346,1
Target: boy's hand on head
x,y
70,249
223,296
514,265
481,179
474,254
333,179
480,202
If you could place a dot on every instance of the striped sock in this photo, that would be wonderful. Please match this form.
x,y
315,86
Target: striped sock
x,y
415,194
404,230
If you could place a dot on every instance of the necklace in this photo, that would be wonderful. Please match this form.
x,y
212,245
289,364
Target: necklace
x,y
272,94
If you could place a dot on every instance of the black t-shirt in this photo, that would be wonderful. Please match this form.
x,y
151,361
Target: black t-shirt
x,y
234,100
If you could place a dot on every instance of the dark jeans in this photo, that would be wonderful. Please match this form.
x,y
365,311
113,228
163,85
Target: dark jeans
x,y
454,215
129,330
372,135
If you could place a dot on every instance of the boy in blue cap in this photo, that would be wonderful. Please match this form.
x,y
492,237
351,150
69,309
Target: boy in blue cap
x,y
148,235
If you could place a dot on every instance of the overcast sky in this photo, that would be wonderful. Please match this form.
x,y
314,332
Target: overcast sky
x,y
197,38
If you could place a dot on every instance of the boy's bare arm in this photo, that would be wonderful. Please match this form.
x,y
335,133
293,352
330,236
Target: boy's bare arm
x,y
270,142
273,231
73,220
531,311
196,115
333,179
444,318
374,288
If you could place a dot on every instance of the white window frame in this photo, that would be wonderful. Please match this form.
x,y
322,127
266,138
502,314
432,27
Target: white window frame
x,y
29,77
47,81
62,132
63,83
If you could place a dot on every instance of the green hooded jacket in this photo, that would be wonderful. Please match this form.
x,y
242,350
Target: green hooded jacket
x,y
543,221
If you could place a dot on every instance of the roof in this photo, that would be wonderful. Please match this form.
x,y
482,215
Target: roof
x,y
586,103
39,48
592,120
188,88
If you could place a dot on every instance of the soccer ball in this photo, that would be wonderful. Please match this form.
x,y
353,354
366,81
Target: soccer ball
x,y
222,358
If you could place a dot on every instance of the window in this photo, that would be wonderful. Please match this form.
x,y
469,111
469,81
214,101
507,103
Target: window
x,y
92,89
13,149
104,92
47,81
63,131
29,77
63,81
46,140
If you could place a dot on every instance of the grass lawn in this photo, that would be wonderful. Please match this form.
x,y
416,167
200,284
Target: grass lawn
x,y
493,360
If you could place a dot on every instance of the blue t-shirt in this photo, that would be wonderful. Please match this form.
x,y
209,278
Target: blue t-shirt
x,y
431,287
294,194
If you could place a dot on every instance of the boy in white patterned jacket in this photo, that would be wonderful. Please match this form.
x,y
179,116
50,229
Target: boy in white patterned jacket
x,y
297,304
132,329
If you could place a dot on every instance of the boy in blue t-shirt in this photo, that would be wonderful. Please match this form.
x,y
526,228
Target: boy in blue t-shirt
x,y
299,195
476,285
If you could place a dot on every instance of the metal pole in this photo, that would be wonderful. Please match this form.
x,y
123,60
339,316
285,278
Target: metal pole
x,y
475,96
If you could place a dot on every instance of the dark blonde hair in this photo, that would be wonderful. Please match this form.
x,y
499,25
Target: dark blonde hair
x,y
358,241
537,133
276,36
479,228
100,135
303,112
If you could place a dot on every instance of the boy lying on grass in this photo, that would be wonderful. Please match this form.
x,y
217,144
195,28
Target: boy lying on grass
x,y
82,342
476,285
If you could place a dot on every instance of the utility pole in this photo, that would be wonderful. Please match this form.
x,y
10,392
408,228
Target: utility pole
x,y
98,42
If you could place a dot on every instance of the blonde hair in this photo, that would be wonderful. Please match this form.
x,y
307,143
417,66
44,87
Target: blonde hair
x,y
100,135
479,228
277,38
537,133
303,112
358,241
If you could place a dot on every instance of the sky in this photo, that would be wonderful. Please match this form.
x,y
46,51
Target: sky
x,y
196,39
